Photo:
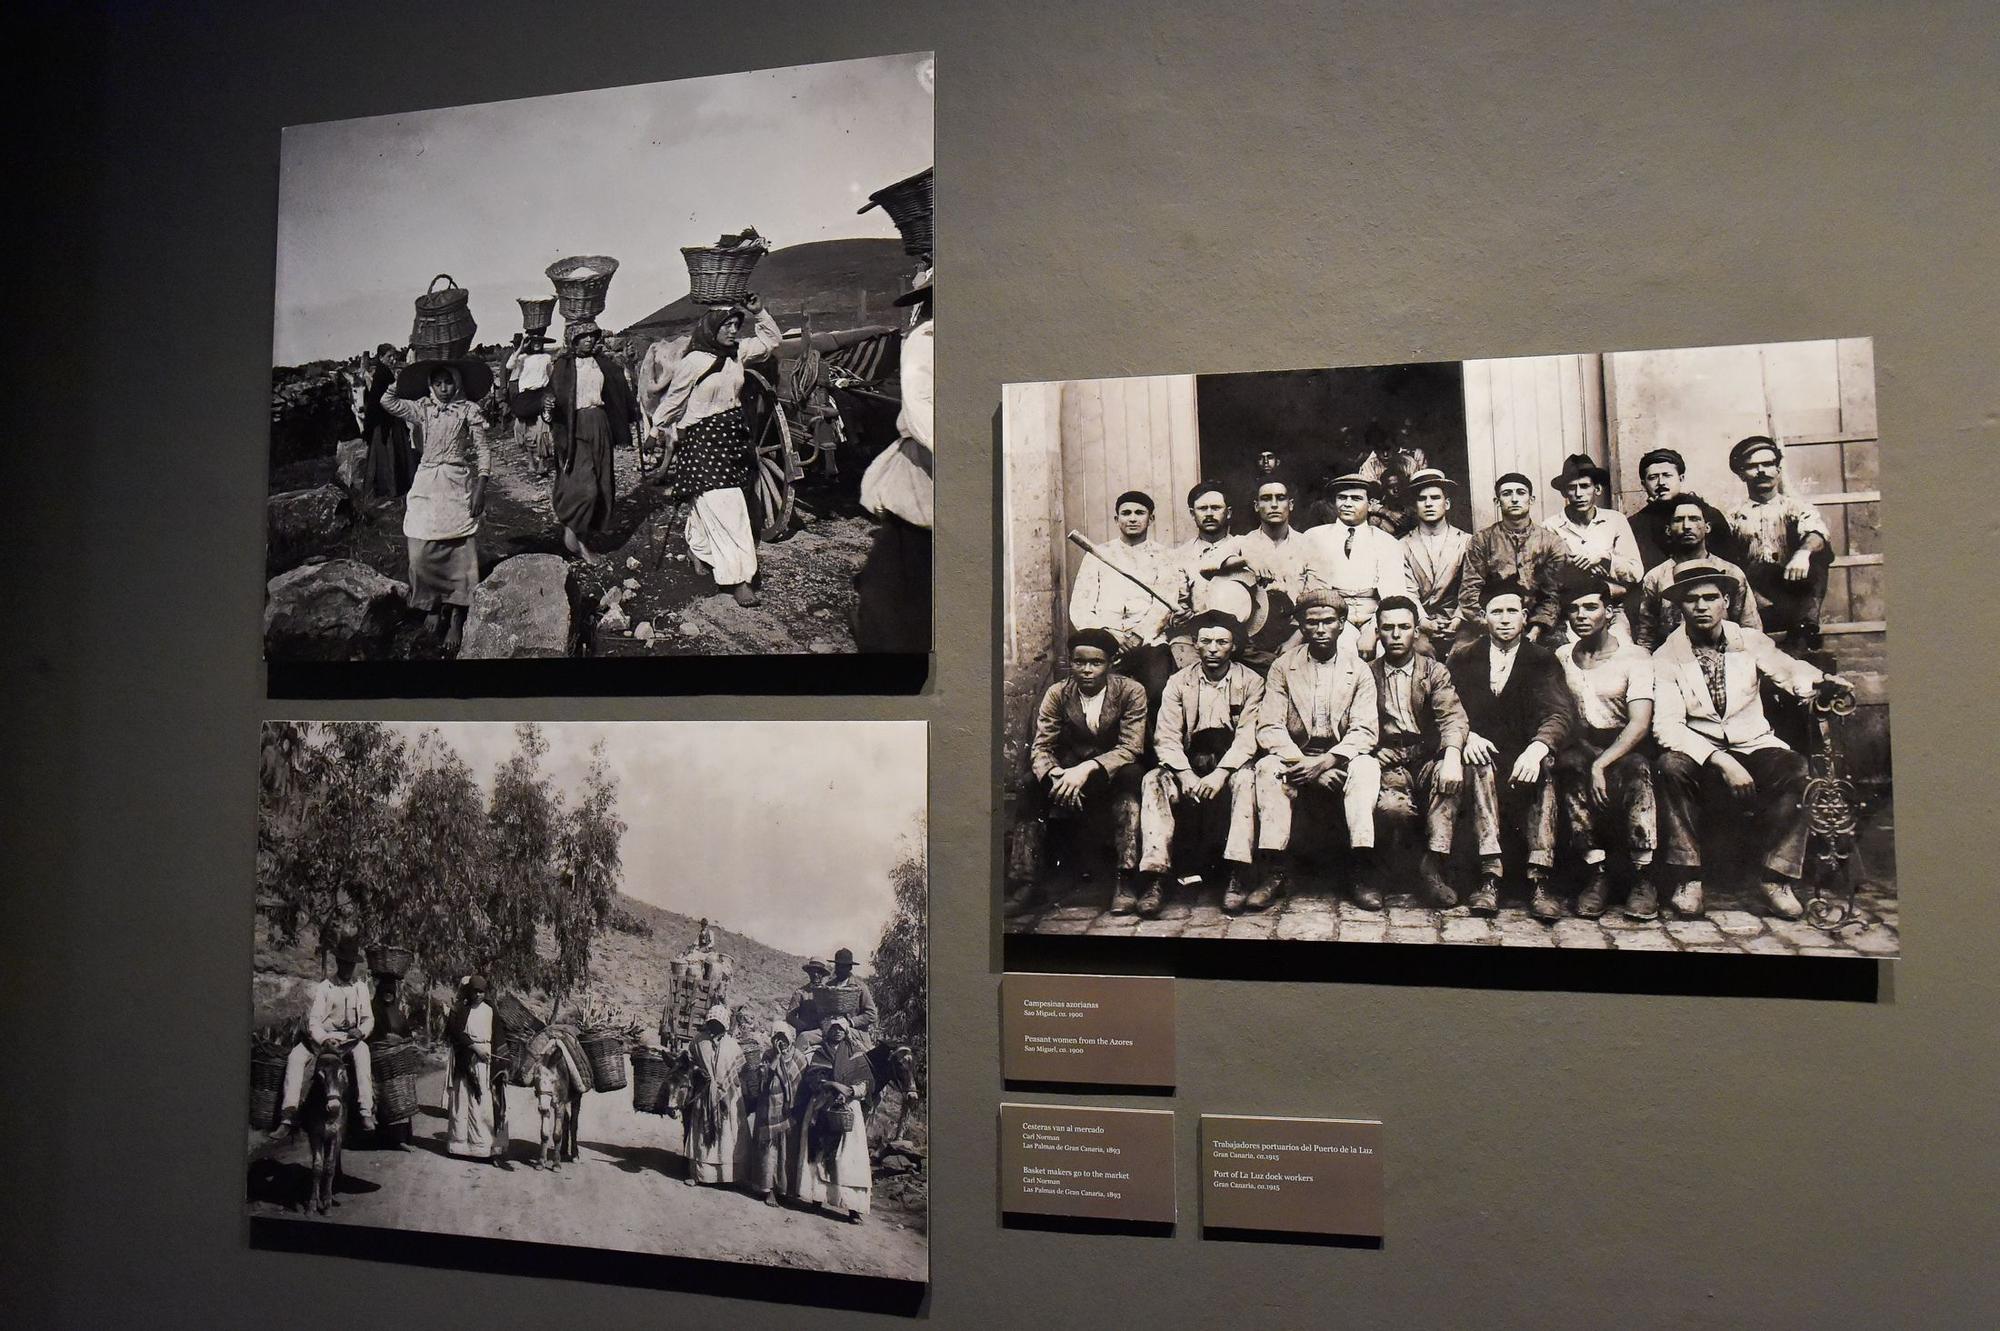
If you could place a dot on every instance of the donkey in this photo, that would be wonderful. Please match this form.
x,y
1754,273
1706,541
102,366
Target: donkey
x,y
892,1065
325,1116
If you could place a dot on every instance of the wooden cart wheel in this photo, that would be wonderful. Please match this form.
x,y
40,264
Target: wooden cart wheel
x,y
777,471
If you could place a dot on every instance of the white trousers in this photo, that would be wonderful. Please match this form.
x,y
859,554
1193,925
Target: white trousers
x,y
299,1062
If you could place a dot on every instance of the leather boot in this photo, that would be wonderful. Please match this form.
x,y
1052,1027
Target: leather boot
x,y
1237,892
1590,901
1270,888
1362,888
1643,903
1485,899
1784,904
1546,906
1436,892
1154,897
1124,895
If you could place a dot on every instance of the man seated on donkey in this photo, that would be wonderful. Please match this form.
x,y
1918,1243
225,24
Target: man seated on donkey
x,y
341,1017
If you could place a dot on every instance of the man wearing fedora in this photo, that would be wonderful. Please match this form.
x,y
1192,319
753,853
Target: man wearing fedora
x,y
1663,478
341,1015
1317,724
1515,702
1597,540
1351,557
862,1020
1513,549
1420,746
1434,558
1719,750
1785,544
1205,745
1689,537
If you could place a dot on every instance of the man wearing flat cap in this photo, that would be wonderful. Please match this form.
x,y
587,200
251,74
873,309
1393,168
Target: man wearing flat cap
x,y
1434,558
1663,478
1598,541
1090,734
1518,550
1349,556
1204,744
1317,723
1785,545
1718,748
1106,598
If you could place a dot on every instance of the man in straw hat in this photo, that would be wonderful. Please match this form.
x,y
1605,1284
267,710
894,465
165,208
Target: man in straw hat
x,y
1718,747
437,400
1598,540
1514,549
1785,544
893,587
803,1009
340,1015
1206,745
1434,557
1317,724
714,1104
1352,557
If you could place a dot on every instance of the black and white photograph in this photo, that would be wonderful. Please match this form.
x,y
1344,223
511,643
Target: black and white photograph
x,y
1575,651
638,372
645,987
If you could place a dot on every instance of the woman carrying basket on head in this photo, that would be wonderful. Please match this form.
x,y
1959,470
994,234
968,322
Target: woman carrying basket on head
x,y
441,514
710,459
590,410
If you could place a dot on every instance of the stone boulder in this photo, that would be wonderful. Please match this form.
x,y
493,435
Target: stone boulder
x,y
350,465
528,606
339,610
304,522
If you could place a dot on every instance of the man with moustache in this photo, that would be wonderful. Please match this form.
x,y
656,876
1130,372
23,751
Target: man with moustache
x,y
1663,477
1517,550
1434,557
1688,536
1786,548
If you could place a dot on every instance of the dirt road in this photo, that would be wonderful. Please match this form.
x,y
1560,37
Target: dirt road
x,y
624,1192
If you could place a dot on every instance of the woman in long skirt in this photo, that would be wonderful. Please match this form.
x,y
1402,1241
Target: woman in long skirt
x,y
701,413
836,1172
441,518
469,1084
590,410
710,1118
774,1113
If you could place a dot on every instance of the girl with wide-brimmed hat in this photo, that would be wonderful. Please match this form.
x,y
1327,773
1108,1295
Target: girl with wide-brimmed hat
x,y
437,398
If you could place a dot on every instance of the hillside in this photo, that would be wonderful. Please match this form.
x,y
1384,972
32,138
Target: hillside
x,y
841,283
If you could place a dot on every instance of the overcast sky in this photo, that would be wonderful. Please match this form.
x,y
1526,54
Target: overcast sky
x,y
781,830
369,211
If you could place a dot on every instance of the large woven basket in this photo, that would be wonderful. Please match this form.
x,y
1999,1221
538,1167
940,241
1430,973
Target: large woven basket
x,y
395,1068
909,205
537,315
384,959
718,276
267,1090
444,320
649,1081
834,1002
607,1061
581,284
517,1020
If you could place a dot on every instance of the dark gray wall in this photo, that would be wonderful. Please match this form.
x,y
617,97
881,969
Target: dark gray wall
x,y
1122,190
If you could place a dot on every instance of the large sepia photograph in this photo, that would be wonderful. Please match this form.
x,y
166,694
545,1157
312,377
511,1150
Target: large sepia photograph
x,y
640,372
644,987
1579,651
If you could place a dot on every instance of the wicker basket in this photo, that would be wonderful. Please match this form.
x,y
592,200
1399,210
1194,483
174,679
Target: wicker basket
x,y
267,1090
386,960
606,1054
444,321
537,315
718,276
908,203
831,1001
581,296
395,1068
517,1021
649,1081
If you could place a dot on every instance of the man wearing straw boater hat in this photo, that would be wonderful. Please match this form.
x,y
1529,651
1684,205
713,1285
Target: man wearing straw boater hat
x,y
1718,749
803,1011
441,516
590,410
1434,555
893,588
340,1016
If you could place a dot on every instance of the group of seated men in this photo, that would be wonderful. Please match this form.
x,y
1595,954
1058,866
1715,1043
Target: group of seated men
x,y
1579,685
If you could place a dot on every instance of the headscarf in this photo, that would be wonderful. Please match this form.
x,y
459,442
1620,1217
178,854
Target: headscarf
x,y
456,378
784,1028
826,1027
705,336
719,1015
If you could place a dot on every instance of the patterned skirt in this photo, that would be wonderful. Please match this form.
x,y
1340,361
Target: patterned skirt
x,y
712,454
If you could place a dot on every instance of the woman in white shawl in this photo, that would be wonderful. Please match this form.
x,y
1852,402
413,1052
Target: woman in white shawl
x,y
714,1102
702,416
836,1172
469,1086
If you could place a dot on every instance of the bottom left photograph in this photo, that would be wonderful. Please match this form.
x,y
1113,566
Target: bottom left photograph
x,y
653,987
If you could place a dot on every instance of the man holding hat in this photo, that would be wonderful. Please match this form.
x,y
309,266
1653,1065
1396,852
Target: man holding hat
x,y
1663,477
1599,541
1204,744
863,1017
1434,557
1688,537
1719,749
1785,544
1090,734
1351,557
341,1015
1516,550
1106,598
1317,723
1208,505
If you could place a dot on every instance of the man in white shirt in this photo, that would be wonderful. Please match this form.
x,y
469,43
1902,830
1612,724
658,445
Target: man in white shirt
x,y
1718,747
1274,555
1604,776
1106,597
1350,556
341,1015
1599,541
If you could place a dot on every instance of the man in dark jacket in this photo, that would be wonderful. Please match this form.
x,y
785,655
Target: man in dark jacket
x,y
1663,476
1518,707
1090,733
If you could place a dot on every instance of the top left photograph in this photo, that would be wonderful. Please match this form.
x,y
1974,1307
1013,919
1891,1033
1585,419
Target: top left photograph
x,y
612,391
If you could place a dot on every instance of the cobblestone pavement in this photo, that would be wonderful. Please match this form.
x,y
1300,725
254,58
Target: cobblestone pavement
x,y
1315,915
